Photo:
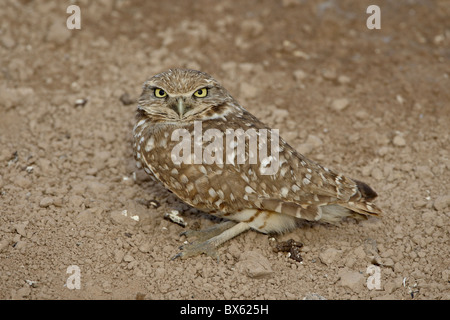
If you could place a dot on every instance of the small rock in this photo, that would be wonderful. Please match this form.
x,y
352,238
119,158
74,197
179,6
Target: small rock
x,y
329,256
339,104
329,74
145,247
360,253
446,275
160,272
126,99
46,202
399,141
20,245
299,75
85,216
442,202
107,288
393,285
301,54
128,258
352,280
399,99
20,229
343,80
361,115
384,150
118,255
4,244
22,182
388,262
313,296
81,102
423,172
254,265
24,291
58,33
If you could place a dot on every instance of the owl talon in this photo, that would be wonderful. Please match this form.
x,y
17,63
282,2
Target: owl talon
x,y
195,249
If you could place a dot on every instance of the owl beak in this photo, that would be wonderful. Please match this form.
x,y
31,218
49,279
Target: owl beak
x,y
180,107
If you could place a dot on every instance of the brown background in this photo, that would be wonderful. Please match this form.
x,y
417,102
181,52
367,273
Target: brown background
x,y
373,104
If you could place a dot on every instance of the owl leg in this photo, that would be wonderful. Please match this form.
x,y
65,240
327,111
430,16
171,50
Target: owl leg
x,y
209,246
208,233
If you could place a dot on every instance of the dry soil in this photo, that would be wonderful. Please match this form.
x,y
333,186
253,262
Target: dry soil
x,y
373,104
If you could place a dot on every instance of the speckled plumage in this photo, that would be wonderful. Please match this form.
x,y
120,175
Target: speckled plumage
x,y
241,192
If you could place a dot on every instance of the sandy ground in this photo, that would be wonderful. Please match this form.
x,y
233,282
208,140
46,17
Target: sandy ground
x,y
373,104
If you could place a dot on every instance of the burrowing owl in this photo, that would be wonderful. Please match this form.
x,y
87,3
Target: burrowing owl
x,y
202,145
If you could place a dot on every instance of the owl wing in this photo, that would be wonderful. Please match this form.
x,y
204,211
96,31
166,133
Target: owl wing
x,y
300,187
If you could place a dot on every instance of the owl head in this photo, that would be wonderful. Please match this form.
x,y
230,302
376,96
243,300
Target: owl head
x,y
184,95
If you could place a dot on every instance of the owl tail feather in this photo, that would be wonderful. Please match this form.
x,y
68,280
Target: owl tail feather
x,y
359,206
334,213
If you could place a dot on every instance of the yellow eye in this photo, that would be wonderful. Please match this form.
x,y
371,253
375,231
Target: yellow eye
x,y
201,93
160,93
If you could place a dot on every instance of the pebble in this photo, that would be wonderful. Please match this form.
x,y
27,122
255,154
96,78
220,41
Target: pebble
x,y
128,258
46,202
340,104
4,244
351,279
118,255
313,296
145,247
329,74
20,228
24,291
22,182
254,265
343,79
329,256
300,75
442,202
58,33
384,150
399,141
393,285
423,172
85,216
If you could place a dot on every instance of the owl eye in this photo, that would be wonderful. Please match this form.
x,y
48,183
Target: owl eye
x,y
160,93
201,93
